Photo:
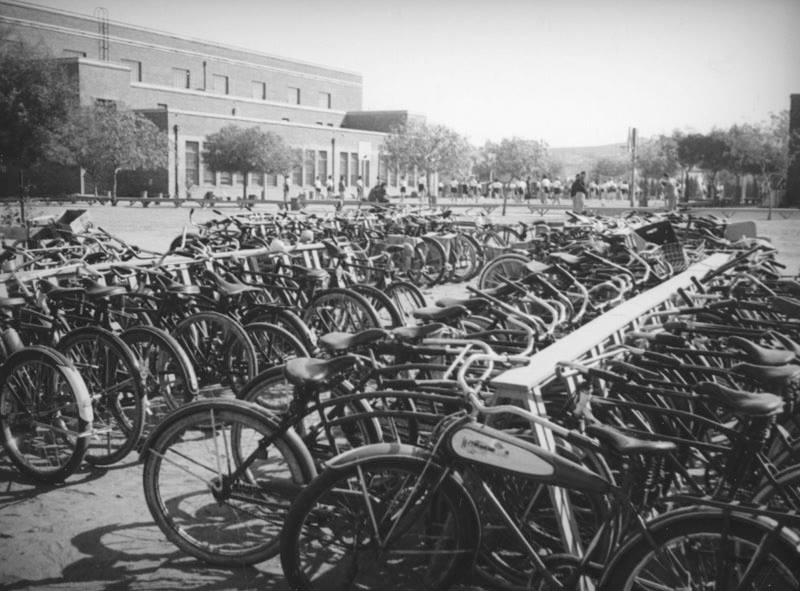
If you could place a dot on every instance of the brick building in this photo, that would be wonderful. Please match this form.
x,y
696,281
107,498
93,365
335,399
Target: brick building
x,y
191,88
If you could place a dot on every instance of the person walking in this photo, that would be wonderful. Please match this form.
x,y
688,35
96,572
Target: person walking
x,y
403,188
329,186
287,183
578,192
556,188
545,184
670,192
342,186
360,188
317,188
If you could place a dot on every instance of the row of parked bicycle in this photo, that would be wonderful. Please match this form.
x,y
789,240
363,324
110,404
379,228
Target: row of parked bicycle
x,y
220,473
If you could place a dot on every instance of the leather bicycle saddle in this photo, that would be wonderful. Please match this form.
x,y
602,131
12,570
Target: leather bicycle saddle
x,y
749,403
761,355
626,445
307,371
342,341
434,314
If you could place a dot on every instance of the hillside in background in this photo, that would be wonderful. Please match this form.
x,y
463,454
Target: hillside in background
x,y
578,159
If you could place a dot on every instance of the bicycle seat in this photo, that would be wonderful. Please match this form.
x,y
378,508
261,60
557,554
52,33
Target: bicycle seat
x,y
307,371
11,302
474,305
98,291
750,403
566,258
229,288
415,333
626,445
173,287
761,355
537,267
434,314
343,341
500,291
766,373
316,275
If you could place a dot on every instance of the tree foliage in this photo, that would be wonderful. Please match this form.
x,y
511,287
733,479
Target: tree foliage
x,y
515,157
103,140
605,169
35,96
431,148
235,149
657,156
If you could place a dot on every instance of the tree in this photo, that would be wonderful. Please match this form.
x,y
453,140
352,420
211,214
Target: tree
x,y
609,168
515,157
103,140
708,151
234,149
35,96
657,156
431,148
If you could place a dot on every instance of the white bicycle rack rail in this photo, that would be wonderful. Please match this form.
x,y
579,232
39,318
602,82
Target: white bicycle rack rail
x,y
525,384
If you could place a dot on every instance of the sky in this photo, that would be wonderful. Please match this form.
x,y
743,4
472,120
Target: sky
x,y
569,72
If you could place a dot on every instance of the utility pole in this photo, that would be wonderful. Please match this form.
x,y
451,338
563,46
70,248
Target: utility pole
x,y
632,148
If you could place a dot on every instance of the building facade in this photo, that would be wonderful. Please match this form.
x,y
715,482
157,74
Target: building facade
x,y
191,88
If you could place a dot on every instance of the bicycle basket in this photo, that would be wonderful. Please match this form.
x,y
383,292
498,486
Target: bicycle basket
x,y
674,254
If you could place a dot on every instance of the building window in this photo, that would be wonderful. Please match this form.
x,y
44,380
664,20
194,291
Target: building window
x,y
180,78
272,180
297,168
209,176
308,165
324,100
284,119
322,166
219,84
257,179
74,53
382,167
354,172
392,176
319,123
293,95
258,90
192,164
225,178
238,178
344,159
136,69
103,102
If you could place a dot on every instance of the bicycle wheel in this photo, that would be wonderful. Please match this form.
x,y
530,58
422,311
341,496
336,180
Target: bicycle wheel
x,y
45,414
287,320
339,310
169,378
388,314
509,266
218,478
406,297
114,380
428,263
223,357
327,426
706,549
464,257
274,345
381,522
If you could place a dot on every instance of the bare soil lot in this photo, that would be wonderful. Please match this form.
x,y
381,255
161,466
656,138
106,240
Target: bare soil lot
x,y
94,531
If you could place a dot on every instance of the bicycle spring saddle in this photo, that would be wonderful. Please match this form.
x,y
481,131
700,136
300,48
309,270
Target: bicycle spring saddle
x,y
758,404
307,371
626,445
761,355
338,342
434,314
474,305
410,334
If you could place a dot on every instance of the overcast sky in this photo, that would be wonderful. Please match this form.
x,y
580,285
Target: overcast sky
x,y
570,72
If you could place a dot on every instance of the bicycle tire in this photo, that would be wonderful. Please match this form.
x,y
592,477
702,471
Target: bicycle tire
x,y
464,258
114,380
327,429
285,319
688,536
428,263
221,353
445,509
238,526
407,297
511,266
339,310
54,394
169,378
388,314
273,344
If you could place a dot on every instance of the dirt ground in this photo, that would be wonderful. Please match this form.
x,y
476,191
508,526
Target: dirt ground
x,y
95,532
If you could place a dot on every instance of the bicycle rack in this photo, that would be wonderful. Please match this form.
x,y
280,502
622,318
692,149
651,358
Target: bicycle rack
x,y
525,384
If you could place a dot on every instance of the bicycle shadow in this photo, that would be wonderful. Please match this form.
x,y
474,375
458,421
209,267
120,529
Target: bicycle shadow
x,y
17,487
122,556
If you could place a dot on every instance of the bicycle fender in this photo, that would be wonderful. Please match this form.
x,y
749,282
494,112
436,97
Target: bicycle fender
x,y
377,450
